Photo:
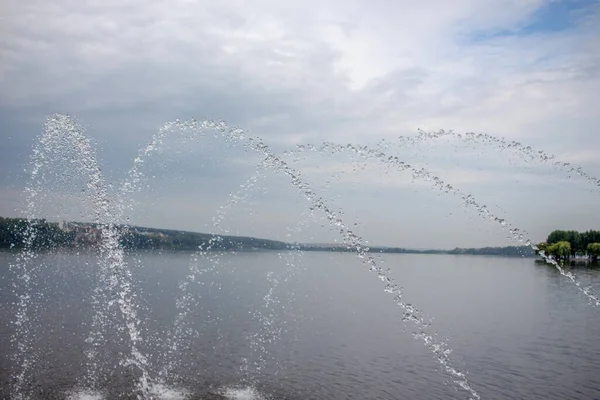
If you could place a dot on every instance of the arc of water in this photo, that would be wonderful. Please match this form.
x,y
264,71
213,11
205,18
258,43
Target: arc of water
x,y
186,299
467,200
499,142
62,131
353,241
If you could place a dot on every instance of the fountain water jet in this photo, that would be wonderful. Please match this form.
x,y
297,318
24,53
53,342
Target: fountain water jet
x,y
63,134
60,134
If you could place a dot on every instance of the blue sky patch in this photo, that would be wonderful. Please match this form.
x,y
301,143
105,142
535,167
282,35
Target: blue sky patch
x,y
555,16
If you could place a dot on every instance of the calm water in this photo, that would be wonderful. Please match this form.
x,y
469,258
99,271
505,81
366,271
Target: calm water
x,y
328,330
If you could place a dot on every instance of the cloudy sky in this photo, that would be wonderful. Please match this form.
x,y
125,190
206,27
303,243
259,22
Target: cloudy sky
x,y
305,72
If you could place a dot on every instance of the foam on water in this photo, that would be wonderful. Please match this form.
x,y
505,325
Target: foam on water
x,y
243,393
156,391
84,395
164,392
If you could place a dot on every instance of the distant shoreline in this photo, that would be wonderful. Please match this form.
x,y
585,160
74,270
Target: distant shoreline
x,y
507,251
80,235
90,249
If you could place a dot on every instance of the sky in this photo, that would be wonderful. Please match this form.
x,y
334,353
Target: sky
x,y
303,73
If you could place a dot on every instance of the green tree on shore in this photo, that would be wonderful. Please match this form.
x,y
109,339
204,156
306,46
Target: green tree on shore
x,y
543,246
593,250
560,250
580,243
574,239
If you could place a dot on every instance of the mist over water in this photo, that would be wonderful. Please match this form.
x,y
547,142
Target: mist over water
x,y
197,343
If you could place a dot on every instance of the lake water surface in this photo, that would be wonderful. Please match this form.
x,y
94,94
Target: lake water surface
x,y
319,326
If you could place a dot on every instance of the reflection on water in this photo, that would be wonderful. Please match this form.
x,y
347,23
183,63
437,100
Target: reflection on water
x,y
521,330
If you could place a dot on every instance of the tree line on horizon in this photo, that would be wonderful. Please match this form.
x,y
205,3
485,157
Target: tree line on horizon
x,y
14,233
563,244
41,234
